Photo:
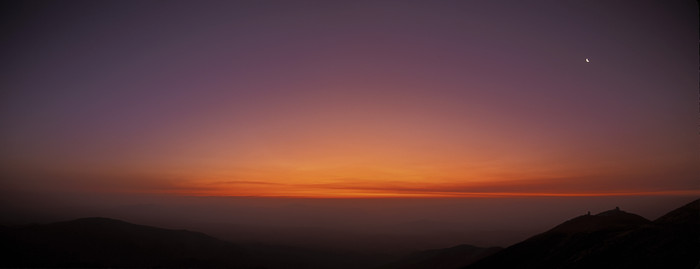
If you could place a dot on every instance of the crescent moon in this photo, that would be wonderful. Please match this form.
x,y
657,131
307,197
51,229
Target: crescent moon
x,y
587,60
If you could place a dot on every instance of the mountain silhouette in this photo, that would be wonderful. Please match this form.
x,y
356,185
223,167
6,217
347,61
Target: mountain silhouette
x,y
103,242
609,220
686,215
611,239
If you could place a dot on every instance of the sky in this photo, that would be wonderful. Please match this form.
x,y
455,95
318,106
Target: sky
x,y
350,99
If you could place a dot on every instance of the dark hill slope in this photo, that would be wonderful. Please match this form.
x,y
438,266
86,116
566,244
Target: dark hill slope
x,y
685,215
101,242
612,239
609,220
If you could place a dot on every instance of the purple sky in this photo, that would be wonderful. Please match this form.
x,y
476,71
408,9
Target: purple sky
x,y
278,97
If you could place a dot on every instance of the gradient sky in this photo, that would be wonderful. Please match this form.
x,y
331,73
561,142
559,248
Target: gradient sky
x,y
351,98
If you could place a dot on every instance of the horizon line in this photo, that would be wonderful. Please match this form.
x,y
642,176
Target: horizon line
x,y
437,195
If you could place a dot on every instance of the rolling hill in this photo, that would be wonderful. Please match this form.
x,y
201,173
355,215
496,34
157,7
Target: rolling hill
x,y
103,242
611,239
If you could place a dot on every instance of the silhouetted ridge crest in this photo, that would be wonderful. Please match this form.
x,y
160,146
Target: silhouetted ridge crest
x,y
98,220
104,242
611,219
688,214
111,243
610,239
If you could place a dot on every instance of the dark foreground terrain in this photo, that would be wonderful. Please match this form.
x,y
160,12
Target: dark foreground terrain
x,y
103,242
611,239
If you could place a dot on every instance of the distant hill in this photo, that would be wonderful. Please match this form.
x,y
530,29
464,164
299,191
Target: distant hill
x,y
102,242
450,258
611,239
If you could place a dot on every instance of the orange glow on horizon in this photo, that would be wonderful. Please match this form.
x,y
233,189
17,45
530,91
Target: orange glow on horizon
x,y
404,189
365,195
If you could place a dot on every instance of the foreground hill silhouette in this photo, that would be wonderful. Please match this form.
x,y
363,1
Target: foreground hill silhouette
x,y
102,242
611,239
